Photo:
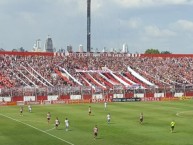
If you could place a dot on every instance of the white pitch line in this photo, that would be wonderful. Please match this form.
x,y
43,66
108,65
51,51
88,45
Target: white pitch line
x,y
37,129
178,113
50,129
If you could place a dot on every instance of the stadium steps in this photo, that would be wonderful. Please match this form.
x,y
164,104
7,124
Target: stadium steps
x,y
40,76
117,78
127,79
89,77
34,77
21,80
63,77
123,78
24,77
120,80
87,83
21,72
101,79
135,80
107,79
139,77
67,73
5,81
110,77
157,82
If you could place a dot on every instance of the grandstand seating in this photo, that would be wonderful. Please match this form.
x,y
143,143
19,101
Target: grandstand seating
x,y
48,70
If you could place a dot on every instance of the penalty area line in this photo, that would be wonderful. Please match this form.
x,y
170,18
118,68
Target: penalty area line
x,y
37,129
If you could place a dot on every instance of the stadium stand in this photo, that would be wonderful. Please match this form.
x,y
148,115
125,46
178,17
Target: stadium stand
x,y
53,73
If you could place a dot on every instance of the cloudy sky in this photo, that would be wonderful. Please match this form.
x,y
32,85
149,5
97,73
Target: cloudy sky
x,y
142,24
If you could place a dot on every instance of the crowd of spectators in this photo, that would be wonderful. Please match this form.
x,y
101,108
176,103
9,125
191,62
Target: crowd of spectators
x,y
175,71
40,71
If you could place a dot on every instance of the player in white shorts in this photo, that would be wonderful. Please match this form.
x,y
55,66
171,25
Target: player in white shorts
x,y
141,118
48,117
95,131
21,110
66,124
29,108
105,105
108,118
57,122
89,110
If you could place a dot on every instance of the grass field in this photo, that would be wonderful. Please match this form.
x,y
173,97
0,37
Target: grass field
x,y
124,129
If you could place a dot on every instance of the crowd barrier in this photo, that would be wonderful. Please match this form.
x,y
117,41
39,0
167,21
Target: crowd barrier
x,y
83,101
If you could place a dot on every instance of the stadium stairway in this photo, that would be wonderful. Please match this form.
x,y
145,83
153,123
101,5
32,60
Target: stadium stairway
x,y
110,77
33,76
5,81
120,80
75,80
157,82
63,77
128,80
89,77
101,79
39,75
124,79
108,80
22,81
139,77
86,81
24,77
135,80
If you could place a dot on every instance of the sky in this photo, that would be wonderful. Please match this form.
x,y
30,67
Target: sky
x,y
166,25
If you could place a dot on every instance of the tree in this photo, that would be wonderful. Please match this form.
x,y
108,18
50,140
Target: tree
x,y
14,50
152,51
1,49
21,49
166,52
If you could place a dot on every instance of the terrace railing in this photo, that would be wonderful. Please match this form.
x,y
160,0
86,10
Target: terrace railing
x,y
86,90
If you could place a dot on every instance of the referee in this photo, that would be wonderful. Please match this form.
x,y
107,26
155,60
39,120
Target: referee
x,y
172,124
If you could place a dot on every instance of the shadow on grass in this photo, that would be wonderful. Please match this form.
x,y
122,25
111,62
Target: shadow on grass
x,y
68,130
58,129
111,123
144,123
98,138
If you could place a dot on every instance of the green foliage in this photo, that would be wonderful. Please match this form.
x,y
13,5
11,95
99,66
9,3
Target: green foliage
x,y
156,51
152,51
124,129
21,49
166,52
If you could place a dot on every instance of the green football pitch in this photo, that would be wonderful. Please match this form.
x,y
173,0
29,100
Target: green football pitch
x,y
124,128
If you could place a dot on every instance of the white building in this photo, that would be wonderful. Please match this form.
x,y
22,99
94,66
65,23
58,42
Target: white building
x,y
37,46
104,49
125,48
80,49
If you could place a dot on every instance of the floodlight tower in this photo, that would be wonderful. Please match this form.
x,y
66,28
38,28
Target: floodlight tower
x,y
88,25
